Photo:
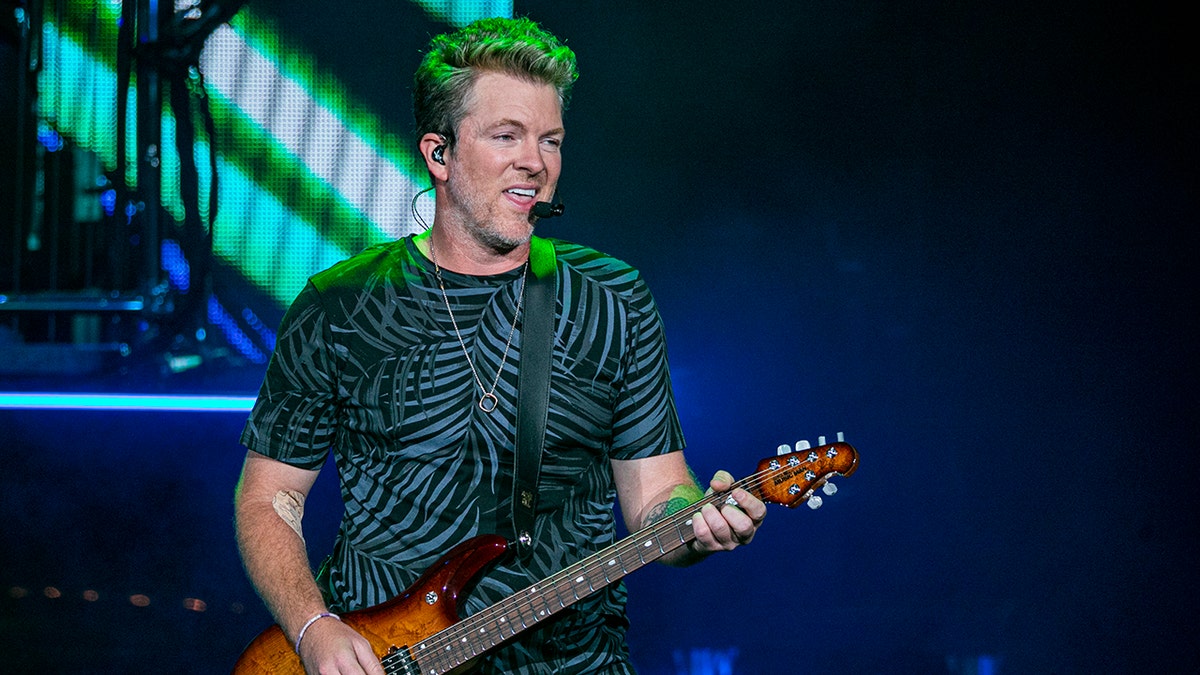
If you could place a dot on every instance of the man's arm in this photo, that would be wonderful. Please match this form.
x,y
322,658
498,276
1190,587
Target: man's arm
x,y
268,506
652,488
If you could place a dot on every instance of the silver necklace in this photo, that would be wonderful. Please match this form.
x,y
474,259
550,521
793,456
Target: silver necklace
x,y
488,401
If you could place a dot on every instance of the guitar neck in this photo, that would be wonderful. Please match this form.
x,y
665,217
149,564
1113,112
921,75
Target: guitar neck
x,y
476,634
788,479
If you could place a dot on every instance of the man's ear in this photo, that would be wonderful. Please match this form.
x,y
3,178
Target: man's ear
x,y
435,149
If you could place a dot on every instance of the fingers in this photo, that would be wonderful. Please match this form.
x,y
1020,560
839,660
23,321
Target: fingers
x,y
721,481
733,523
367,659
337,648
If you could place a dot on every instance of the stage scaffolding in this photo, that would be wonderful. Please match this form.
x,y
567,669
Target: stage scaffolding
x,y
96,272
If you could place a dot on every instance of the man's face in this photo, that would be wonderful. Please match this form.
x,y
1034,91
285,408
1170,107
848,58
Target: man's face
x,y
506,158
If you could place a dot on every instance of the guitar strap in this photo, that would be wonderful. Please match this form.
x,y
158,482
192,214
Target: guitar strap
x,y
533,390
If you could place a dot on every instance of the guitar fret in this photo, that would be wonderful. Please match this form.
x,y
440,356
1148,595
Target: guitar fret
x,y
608,566
683,531
525,613
545,610
487,638
563,602
630,560
437,664
503,623
645,546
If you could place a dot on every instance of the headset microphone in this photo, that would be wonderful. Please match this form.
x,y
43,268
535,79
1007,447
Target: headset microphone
x,y
547,210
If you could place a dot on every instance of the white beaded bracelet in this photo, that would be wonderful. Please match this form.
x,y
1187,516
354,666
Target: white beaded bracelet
x,y
304,628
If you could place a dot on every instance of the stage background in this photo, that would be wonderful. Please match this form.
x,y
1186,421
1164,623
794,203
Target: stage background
x,y
961,234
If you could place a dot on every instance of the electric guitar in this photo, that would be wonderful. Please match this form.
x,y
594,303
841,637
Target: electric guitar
x,y
419,631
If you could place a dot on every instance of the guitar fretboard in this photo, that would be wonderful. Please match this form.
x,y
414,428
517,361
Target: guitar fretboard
x,y
487,628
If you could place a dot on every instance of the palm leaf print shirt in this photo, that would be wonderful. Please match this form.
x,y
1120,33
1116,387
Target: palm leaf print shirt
x,y
368,366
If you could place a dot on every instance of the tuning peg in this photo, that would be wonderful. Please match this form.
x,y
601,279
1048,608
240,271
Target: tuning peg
x,y
814,502
802,445
783,449
820,440
841,437
829,489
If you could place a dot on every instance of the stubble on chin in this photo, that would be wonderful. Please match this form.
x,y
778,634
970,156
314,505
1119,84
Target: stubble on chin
x,y
500,240
488,225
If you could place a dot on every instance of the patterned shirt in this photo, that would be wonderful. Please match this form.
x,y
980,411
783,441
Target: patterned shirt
x,y
369,366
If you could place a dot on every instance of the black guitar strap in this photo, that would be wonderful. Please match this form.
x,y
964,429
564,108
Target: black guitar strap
x,y
533,389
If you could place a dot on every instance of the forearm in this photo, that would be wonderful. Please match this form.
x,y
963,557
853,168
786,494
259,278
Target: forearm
x,y
277,564
679,498
654,488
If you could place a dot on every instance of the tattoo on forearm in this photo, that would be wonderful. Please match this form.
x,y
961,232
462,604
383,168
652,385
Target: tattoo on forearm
x,y
681,497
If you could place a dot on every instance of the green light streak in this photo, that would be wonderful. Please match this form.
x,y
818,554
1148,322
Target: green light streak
x,y
295,196
459,13
77,94
271,245
297,140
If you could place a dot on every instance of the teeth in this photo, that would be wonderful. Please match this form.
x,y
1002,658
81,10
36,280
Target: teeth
x,y
523,191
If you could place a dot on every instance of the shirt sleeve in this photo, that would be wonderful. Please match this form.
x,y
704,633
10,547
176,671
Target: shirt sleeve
x,y
294,417
645,421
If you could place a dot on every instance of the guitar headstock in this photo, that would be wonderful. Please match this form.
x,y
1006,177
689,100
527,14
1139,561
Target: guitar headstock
x,y
794,475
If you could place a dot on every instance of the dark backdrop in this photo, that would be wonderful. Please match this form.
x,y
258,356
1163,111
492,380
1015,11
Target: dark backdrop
x,y
961,234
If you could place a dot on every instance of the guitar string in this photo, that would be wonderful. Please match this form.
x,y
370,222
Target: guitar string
x,y
516,603
487,616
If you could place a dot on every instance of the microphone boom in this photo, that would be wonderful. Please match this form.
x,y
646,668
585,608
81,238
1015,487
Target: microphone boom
x,y
548,210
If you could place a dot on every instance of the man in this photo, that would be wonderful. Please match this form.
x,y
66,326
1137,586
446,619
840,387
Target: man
x,y
403,362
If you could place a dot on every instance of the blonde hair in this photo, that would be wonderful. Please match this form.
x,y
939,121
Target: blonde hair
x,y
517,47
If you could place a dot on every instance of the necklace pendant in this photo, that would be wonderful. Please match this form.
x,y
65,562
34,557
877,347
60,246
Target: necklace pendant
x,y
488,402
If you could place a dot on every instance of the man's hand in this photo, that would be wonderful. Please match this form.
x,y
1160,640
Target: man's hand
x,y
654,487
330,647
732,524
